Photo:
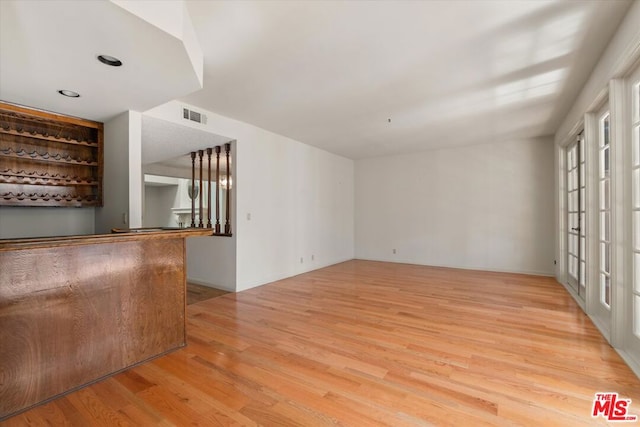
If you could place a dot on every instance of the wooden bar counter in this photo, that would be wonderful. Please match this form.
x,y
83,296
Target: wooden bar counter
x,y
74,310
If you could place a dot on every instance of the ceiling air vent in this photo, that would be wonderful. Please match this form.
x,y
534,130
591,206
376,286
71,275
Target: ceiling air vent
x,y
194,116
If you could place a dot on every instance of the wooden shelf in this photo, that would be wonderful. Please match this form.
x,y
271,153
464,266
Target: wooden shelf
x,y
10,177
26,134
47,199
47,159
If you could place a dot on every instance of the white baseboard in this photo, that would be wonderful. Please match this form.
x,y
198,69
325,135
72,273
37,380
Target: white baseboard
x,y
575,297
466,267
209,285
282,276
633,363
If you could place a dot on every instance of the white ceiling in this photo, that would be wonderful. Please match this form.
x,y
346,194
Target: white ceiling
x,y
327,73
162,140
50,45
164,145
331,73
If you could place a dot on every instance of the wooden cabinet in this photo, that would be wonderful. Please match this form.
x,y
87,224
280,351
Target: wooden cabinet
x,y
76,309
48,159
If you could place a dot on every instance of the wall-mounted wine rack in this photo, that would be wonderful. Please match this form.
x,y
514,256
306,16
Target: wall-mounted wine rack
x,y
49,159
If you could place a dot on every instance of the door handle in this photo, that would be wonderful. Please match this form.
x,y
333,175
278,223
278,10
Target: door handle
x,y
576,228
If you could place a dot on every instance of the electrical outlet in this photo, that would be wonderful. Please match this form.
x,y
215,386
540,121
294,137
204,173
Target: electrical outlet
x,y
301,260
124,218
249,216
394,251
313,257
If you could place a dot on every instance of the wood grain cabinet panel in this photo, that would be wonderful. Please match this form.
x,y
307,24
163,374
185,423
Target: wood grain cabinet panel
x,y
74,313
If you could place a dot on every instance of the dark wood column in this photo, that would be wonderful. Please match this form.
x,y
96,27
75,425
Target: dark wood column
x,y
193,187
217,226
227,225
209,151
200,223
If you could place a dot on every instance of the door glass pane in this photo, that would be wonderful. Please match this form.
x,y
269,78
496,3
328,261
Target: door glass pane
x,y
604,194
636,231
636,315
571,207
636,146
605,162
570,202
572,266
604,256
606,291
571,157
636,102
636,271
636,188
604,226
605,130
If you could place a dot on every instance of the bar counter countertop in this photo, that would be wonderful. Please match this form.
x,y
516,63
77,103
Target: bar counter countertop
x,y
76,309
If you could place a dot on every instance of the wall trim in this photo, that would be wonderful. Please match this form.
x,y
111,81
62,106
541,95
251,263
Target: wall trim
x,y
574,295
460,267
632,362
277,277
209,285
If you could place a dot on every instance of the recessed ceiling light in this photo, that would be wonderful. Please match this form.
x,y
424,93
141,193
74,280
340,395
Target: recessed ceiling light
x,y
69,93
109,60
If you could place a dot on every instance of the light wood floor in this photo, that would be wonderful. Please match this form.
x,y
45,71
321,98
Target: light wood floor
x,y
197,293
367,343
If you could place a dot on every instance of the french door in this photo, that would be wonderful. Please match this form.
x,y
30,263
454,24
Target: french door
x,y
602,267
576,213
601,301
633,333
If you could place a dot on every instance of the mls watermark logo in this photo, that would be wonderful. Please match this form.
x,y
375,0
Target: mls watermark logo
x,y
612,408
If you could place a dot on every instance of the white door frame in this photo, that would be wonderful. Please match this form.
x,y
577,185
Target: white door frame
x,y
596,308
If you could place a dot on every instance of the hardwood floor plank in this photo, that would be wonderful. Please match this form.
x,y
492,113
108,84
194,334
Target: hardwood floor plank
x,y
369,343
96,410
197,293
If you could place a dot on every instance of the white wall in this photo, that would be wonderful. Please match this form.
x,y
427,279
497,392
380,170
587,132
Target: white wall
x,y
301,202
299,199
44,222
136,176
158,202
208,261
484,207
123,179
